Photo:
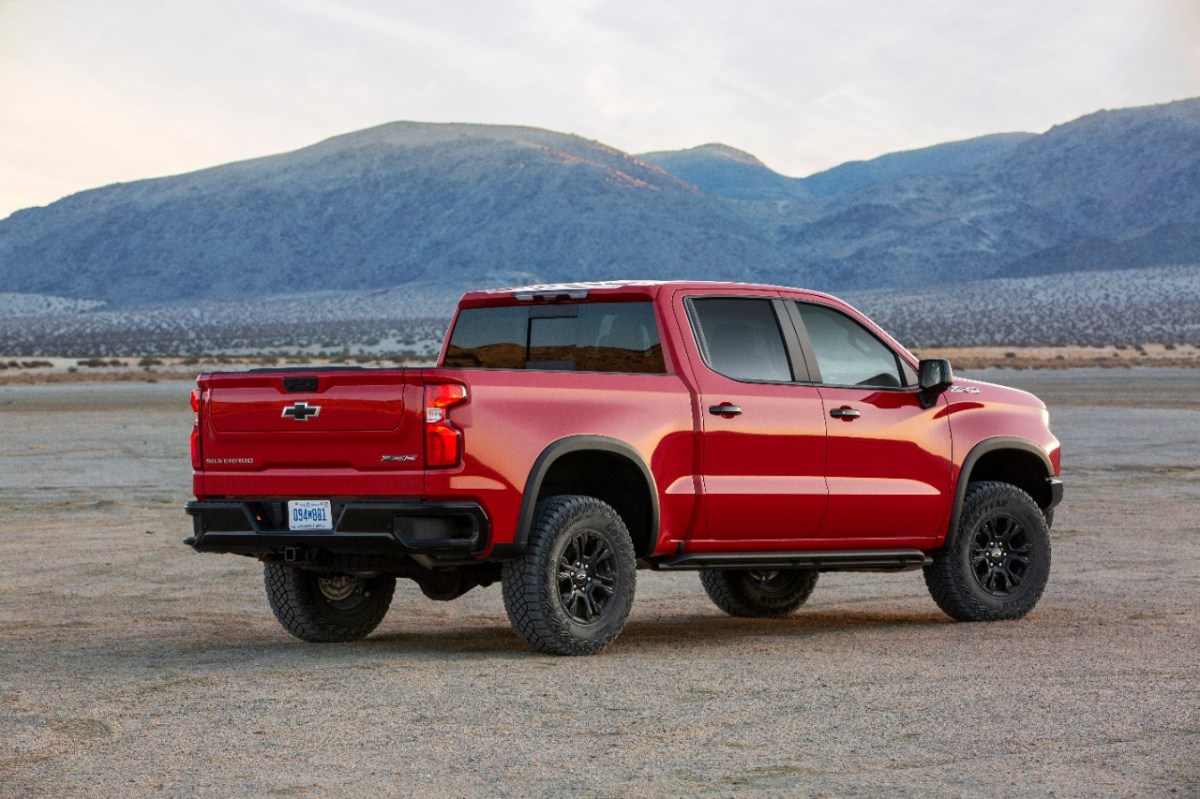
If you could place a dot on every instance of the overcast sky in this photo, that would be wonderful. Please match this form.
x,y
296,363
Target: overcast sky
x,y
100,91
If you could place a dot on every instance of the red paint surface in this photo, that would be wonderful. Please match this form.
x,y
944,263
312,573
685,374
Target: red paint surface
x,y
782,474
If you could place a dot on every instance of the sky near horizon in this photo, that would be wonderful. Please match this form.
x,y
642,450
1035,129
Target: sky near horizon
x,y
94,92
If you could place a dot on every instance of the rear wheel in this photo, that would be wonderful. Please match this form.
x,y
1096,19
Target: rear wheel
x,y
326,607
996,564
759,593
571,592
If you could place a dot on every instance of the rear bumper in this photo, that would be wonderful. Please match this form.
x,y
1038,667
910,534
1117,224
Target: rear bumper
x,y
259,528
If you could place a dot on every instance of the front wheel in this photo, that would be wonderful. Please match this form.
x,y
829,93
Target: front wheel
x,y
324,607
571,592
996,564
759,593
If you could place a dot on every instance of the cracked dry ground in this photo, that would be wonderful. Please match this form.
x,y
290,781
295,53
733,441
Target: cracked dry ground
x,y
130,666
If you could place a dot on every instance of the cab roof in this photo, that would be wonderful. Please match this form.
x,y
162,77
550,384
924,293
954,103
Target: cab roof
x,y
612,289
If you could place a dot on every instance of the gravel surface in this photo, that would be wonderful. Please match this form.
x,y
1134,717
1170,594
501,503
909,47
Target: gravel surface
x,y
131,666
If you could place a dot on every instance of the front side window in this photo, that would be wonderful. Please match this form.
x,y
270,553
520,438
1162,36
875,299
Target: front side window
x,y
592,337
847,353
740,338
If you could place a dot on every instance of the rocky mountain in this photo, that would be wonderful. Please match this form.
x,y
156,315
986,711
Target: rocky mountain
x,y
393,205
722,171
952,158
471,205
1110,190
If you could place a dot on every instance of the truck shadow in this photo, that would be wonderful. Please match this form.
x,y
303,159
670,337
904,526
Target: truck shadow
x,y
665,632
269,648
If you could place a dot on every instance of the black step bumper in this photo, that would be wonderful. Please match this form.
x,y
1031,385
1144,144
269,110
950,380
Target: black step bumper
x,y
259,528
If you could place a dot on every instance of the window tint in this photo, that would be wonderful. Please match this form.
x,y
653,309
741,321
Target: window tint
x,y
489,337
740,338
593,337
847,353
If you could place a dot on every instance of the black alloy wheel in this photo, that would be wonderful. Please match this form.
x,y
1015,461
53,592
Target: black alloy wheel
x,y
571,592
587,576
1000,554
995,564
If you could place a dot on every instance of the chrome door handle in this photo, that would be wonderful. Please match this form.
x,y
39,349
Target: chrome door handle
x,y
724,410
844,413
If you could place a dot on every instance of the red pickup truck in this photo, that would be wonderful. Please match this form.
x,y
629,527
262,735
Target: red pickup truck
x,y
573,434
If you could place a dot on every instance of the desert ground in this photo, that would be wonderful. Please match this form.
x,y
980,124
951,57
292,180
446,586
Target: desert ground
x,y
132,666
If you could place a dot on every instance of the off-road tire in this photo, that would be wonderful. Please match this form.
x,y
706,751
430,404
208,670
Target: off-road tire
x,y
759,594
571,591
996,563
312,614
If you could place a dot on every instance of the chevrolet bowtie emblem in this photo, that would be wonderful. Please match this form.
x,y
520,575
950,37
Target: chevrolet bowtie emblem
x,y
301,411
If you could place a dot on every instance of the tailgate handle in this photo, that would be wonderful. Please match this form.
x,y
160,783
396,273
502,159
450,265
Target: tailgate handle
x,y
299,384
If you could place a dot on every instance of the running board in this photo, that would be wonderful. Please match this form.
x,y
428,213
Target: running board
x,y
889,560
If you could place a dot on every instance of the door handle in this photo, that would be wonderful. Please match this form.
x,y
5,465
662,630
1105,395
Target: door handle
x,y
724,409
844,413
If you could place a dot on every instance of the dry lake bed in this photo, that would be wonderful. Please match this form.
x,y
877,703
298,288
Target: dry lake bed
x,y
131,666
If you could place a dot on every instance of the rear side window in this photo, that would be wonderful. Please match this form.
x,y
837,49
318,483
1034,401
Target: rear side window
x,y
740,338
593,337
847,353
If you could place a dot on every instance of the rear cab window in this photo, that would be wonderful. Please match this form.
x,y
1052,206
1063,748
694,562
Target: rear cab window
x,y
585,337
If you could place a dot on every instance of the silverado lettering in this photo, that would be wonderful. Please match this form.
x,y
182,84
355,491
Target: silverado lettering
x,y
573,434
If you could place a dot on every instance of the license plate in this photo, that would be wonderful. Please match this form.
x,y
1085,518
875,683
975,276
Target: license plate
x,y
310,514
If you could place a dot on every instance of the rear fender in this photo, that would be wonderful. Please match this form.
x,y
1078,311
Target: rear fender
x,y
577,444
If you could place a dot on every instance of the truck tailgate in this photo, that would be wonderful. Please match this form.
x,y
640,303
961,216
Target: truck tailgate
x,y
319,433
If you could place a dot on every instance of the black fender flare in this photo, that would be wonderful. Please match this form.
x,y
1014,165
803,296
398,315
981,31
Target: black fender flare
x,y
581,443
978,451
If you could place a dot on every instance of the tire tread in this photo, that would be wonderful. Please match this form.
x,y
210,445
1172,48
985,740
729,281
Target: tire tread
x,y
532,614
297,604
729,592
953,587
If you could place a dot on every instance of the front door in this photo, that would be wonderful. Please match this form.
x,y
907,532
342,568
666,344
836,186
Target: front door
x,y
889,460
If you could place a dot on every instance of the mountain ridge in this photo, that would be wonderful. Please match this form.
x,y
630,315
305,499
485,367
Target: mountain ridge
x,y
477,205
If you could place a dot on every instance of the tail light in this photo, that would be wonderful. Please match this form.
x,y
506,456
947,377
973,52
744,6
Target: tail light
x,y
443,441
197,463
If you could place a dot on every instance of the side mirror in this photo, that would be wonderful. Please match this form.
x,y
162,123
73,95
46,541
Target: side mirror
x,y
934,376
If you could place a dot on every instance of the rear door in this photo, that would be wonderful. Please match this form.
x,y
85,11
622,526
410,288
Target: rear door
x,y
763,430
889,459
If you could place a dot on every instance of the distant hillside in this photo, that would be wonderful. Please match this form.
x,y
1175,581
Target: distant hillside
x,y
941,159
401,203
1160,304
474,205
1109,190
722,171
